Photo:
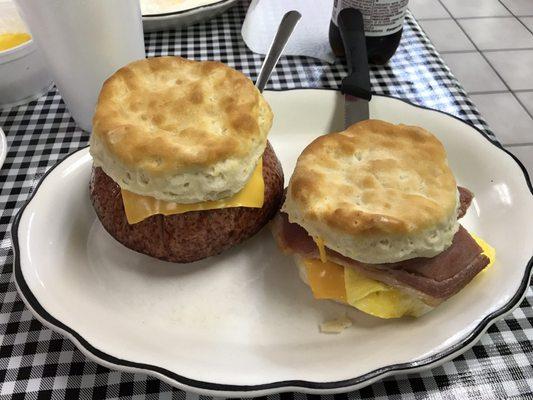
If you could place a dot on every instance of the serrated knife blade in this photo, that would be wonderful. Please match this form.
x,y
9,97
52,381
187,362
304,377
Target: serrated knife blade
x,y
355,110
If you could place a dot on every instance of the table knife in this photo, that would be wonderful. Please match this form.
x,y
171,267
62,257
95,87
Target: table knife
x,y
355,86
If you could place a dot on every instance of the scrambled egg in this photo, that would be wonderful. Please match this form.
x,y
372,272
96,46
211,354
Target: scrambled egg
x,y
332,281
488,250
380,300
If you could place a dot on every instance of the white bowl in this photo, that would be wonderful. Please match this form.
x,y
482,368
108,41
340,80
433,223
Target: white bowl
x,y
23,75
181,18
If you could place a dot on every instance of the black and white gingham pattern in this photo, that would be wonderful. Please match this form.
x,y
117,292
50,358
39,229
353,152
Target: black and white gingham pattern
x,y
37,363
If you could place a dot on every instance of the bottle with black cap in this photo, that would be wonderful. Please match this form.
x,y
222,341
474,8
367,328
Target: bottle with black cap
x,y
383,21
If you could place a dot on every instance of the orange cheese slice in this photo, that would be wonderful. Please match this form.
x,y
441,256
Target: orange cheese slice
x,y
326,279
321,249
138,207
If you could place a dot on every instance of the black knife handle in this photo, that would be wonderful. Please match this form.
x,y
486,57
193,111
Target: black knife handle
x,y
352,30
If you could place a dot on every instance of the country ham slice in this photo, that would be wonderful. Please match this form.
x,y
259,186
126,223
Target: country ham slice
x,y
431,279
465,198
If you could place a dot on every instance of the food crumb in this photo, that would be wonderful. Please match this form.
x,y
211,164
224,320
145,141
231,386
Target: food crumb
x,y
335,325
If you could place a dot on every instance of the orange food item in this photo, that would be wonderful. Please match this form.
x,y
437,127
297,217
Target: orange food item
x,y
10,40
326,280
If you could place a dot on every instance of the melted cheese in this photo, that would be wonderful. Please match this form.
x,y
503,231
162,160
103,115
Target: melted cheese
x,y
321,249
326,280
332,281
139,207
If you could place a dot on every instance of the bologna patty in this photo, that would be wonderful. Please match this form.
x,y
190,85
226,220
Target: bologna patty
x,y
189,236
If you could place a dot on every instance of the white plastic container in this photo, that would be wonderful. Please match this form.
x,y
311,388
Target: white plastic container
x,y
23,74
84,42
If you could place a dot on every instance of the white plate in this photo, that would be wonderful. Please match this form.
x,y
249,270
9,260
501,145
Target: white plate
x,y
243,323
3,147
181,18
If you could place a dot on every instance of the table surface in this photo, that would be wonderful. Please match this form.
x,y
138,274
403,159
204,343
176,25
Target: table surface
x,y
36,362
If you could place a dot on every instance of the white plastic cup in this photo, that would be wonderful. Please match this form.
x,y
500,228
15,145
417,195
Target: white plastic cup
x,y
84,42
23,73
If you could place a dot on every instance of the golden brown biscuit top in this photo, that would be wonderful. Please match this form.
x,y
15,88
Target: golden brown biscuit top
x,y
374,178
166,115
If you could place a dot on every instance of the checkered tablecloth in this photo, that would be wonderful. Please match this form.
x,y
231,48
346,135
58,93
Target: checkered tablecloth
x,y
38,363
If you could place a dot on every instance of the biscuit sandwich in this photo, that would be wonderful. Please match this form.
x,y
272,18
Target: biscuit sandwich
x,y
371,217
182,166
